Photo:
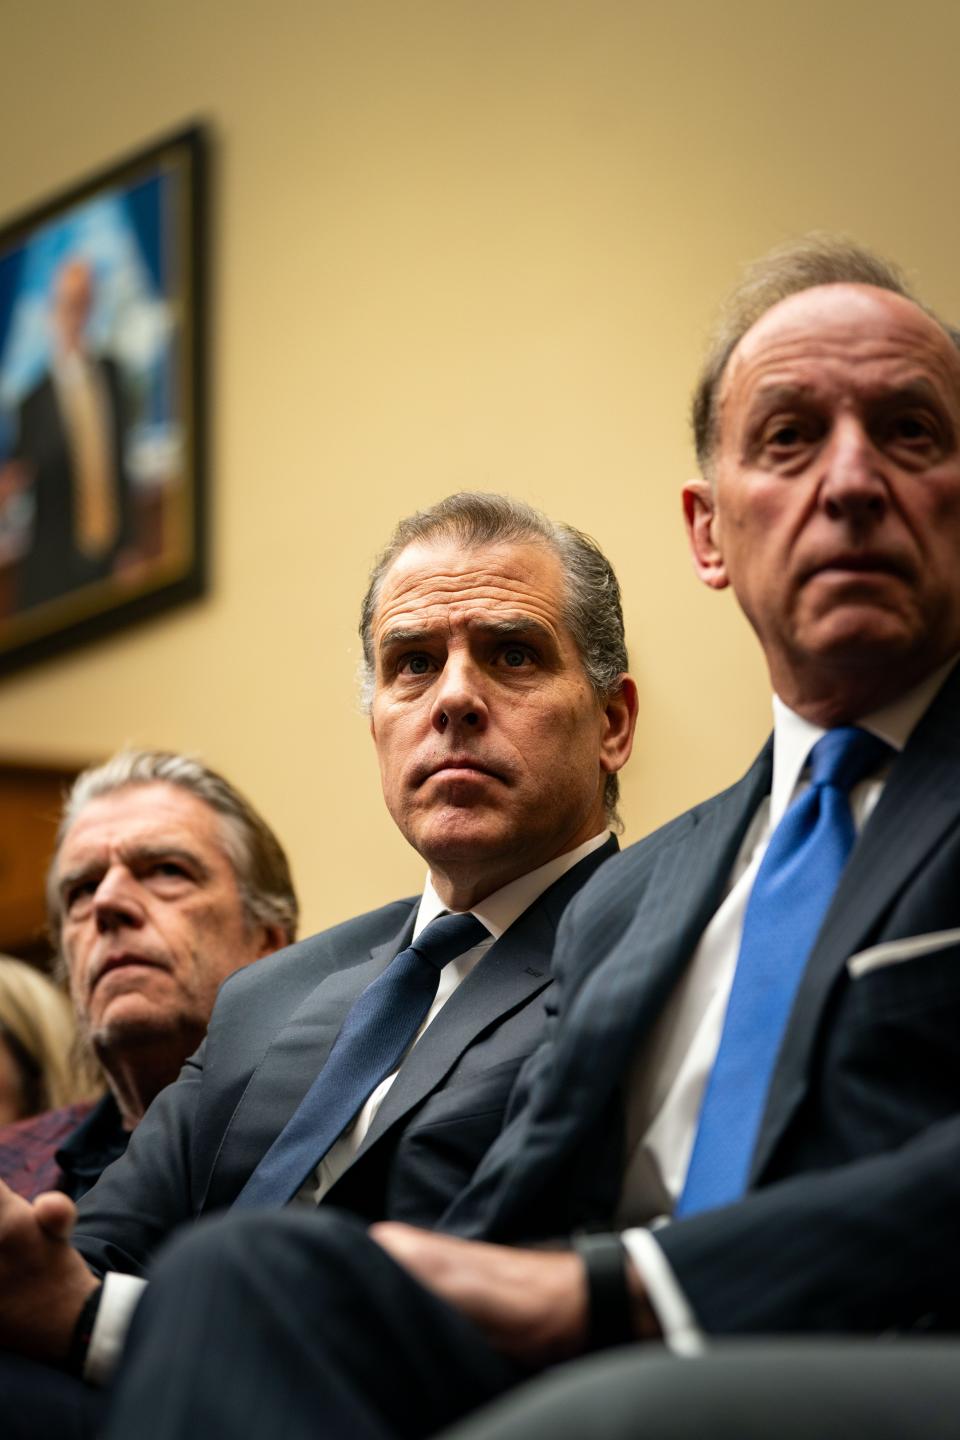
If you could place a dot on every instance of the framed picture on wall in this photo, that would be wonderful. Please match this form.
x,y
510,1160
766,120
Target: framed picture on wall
x,y
102,506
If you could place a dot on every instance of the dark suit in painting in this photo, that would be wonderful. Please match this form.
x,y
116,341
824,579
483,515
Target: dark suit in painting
x,y
54,565
270,1033
849,1223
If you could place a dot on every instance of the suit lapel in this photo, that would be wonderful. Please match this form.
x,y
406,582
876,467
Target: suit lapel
x,y
625,994
919,805
289,1067
515,969
670,898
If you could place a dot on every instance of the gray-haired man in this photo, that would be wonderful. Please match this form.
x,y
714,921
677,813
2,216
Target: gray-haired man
x,y
164,881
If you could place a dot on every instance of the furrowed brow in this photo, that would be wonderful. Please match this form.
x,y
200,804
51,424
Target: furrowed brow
x,y
771,397
155,851
69,878
515,628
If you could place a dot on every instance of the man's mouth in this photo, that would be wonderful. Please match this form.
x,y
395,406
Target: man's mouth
x,y
862,563
123,961
458,767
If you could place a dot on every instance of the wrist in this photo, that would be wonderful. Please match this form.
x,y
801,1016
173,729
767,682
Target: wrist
x,y
610,1300
643,1317
83,1329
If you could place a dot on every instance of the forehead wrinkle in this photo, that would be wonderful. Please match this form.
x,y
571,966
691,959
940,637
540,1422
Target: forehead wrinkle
x,y
520,624
855,323
132,849
421,601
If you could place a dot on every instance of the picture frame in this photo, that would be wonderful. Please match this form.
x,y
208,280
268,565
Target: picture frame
x,y
102,402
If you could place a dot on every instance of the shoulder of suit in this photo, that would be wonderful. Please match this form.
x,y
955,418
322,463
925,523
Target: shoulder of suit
x,y
631,862
375,927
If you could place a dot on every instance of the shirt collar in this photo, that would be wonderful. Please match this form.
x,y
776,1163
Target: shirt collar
x,y
794,737
98,1140
499,910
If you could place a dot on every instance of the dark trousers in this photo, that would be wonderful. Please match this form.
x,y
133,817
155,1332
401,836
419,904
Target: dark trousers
x,y
39,1403
295,1325
839,1389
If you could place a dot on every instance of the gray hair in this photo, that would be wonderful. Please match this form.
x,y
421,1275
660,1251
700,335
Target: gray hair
x,y
803,264
592,612
255,853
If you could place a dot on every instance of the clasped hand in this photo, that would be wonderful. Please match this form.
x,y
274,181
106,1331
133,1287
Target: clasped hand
x,y
43,1280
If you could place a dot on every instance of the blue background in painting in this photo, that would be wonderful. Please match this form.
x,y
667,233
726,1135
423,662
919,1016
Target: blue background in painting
x,y
121,235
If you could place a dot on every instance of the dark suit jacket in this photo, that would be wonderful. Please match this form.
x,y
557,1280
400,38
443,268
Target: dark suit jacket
x,y
53,565
850,1220
271,1031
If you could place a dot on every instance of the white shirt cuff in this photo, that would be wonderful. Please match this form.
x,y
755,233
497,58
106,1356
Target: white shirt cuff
x,y
117,1304
681,1332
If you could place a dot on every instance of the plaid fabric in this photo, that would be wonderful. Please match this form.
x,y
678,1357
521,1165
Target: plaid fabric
x,y
28,1149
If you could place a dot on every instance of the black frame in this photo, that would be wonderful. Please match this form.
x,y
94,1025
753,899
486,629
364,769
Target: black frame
x,y
177,168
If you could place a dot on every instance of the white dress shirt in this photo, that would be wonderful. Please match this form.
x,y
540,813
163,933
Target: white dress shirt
x,y
670,1074
497,912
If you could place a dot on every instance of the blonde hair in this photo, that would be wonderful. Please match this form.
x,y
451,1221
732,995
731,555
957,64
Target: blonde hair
x,y
36,1021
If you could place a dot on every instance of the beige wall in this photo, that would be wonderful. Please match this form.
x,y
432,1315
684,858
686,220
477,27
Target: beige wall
x,y
462,243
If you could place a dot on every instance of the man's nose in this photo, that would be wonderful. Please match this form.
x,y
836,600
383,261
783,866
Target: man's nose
x,y
854,485
116,900
459,698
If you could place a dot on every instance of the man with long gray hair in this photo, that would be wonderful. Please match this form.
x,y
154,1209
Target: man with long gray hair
x,y
164,880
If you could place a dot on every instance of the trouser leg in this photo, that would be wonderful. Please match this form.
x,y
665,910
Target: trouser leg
x,y
294,1325
40,1403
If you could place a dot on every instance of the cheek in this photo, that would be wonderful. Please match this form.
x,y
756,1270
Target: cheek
x,y
77,957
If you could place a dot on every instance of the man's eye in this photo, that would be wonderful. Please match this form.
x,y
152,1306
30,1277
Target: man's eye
x,y
78,894
415,665
785,436
915,430
515,656
169,868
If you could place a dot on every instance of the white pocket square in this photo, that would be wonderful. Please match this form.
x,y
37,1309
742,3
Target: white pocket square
x,y
894,952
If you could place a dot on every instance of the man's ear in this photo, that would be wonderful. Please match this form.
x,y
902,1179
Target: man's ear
x,y
703,533
271,937
620,716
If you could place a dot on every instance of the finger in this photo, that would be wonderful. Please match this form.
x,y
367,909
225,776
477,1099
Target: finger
x,y
396,1238
56,1214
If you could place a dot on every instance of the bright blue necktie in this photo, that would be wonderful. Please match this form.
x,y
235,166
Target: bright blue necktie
x,y
792,891
379,1029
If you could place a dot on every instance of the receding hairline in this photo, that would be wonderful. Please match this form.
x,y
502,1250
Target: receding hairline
x,y
809,262
878,294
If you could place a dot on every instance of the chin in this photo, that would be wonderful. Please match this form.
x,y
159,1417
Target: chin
x,y
854,637
463,835
133,1024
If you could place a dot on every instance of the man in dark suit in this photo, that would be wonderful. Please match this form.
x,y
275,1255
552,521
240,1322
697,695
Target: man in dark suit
x,y
70,449
501,715
756,1007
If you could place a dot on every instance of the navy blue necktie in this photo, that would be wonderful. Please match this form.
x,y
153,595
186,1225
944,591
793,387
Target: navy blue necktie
x,y
792,891
379,1029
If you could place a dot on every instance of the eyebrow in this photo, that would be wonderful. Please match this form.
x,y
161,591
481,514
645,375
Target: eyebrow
x,y
135,853
920,390
507,629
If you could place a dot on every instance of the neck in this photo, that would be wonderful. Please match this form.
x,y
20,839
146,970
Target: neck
x,y
845,694
137,1074
464,889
